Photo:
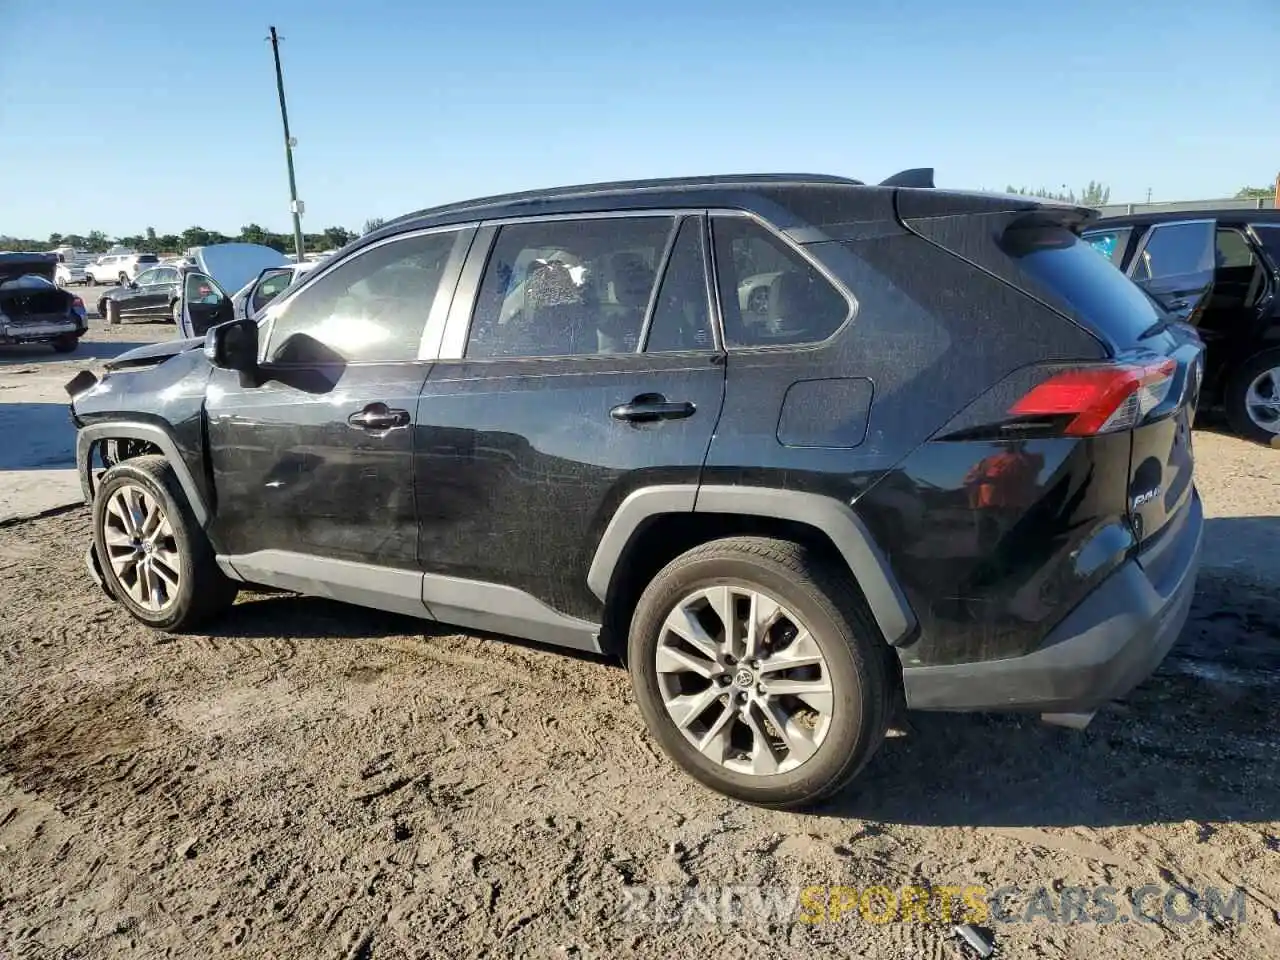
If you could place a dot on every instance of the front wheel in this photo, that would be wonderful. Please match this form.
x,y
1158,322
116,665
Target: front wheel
x,y
122,279
155,559
1253,398
175,313
757,668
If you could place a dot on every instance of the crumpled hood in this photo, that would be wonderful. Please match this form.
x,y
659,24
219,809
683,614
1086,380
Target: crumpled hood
x,y
154,353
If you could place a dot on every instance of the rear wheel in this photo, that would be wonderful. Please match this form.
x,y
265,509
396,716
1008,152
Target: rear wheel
x,y
122,279
1253,398
175,313
155,558
113,313
759,671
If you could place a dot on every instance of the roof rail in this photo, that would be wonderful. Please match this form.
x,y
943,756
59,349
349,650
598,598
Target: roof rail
x,y
915,177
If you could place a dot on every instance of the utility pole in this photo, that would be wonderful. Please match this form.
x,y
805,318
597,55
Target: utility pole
x,y
1148,194
294,204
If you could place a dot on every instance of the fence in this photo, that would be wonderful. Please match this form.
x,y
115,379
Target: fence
x,y
1123,209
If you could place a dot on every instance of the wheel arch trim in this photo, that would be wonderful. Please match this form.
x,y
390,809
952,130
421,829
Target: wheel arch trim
x,y
88,436
836,520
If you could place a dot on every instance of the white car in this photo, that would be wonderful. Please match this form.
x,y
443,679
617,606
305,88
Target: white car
x,y
119,267
69,272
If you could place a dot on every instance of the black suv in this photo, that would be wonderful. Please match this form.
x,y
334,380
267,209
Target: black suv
x,y
1218,270
796,448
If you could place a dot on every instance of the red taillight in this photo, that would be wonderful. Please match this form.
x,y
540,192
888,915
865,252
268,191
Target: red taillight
x,y
77,302
1100,399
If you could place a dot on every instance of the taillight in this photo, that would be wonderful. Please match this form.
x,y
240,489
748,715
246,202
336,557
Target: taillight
x,y
1100,399
77,302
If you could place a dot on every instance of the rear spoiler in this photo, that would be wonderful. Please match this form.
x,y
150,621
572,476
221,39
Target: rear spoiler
x,y
915,177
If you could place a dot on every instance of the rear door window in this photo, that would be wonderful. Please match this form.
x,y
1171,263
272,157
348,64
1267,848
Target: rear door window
x,y
682,312
1176,250
564,288
770,294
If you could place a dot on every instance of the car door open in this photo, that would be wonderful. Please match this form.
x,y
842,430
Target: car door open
x,y
1175,264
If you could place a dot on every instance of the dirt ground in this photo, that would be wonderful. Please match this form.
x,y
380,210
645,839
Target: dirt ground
x,y
312,780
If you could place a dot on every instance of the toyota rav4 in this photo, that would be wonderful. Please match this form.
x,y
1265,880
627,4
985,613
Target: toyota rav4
x,y
797,449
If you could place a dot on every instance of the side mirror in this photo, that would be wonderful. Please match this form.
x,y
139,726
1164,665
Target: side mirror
x,y
133,284
233,346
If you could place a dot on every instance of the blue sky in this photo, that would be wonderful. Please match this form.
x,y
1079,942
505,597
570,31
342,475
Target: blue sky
x,y
119,116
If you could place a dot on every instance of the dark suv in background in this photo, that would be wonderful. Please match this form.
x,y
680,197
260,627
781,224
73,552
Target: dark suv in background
x,y
1218,271
794,447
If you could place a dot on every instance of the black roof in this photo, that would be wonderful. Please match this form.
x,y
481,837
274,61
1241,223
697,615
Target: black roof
x,y
1264,215
656,192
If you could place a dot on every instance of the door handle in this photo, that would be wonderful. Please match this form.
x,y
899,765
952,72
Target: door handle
x,y
378,416
649,407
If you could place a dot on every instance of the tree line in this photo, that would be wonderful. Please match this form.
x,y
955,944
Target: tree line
x,y
1095,194
96,241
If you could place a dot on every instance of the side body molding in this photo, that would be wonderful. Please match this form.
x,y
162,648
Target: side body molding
x,y
837,520
87,436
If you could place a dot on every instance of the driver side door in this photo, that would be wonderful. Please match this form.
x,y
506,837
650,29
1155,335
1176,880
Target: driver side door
x,y
312,457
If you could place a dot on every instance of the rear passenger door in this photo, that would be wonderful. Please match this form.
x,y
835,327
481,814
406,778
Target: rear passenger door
x,y
580,362
1174,263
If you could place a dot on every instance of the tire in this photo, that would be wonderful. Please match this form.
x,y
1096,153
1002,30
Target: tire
x,y
202,591
175,313
1260,373
66,343
816,599
113,313
122,279
89,281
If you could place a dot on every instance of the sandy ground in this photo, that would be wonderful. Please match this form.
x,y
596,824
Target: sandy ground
x,y
312,780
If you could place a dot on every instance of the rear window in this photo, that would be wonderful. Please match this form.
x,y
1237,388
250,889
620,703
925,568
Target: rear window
x,y
148,258
1090,284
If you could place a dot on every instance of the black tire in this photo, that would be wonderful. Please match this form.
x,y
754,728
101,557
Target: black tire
x,y
835,616
122,279
66,343
203,590
175,313
1237,389
113,313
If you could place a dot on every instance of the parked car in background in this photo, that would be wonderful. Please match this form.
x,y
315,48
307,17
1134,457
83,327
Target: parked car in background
x,y
33,309
954,466
1219,271
251,299
154,293
69,273
119,267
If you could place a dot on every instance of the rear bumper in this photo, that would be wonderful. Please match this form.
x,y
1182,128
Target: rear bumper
x,y
37,331
1104,648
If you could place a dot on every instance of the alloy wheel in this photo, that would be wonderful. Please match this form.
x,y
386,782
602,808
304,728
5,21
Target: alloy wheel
x,y
744,680
141,547
1262,400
